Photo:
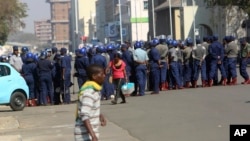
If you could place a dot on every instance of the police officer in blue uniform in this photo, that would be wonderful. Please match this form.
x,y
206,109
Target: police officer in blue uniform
x,y
24,50
163,50
140,58
29,74
66,77
199,63
216,52
154,65
187,62
110,51
57,74
127,57
81,64
174,78
44,68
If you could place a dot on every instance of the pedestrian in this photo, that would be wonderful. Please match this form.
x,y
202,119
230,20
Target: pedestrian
x,y
16,60
88,116
140,58
244,60
118,69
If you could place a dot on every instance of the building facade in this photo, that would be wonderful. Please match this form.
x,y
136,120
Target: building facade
x,y
60,22
195,19
87,14
43,31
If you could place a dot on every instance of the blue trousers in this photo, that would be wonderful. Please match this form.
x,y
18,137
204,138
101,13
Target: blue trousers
x,y
243,67
175,73
141,77
180,67
66,90
231,66
163,72
31,84
46,88
214,66
199,67
81,80
155,73
107,88
187,72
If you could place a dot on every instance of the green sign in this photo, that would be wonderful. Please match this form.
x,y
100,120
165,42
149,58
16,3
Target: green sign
x,y
139,20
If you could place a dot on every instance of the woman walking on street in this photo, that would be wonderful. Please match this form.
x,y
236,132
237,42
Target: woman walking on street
x,y
118,71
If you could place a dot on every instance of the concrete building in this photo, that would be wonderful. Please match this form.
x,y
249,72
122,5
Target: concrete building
x,y
139,20
87,12
60,22
134,20
195,19
43,31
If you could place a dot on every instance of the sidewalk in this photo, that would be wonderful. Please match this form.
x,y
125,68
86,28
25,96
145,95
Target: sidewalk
x,y
11,130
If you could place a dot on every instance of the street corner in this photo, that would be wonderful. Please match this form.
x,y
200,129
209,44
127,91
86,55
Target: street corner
x,y
11,138
8,122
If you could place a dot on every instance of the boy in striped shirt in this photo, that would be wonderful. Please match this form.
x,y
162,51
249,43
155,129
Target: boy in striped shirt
x,y
88,116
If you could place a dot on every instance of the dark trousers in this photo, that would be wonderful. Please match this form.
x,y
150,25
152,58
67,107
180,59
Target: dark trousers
x,y
118,85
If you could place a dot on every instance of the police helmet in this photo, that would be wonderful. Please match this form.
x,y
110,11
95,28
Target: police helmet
x,y
82,52
43,55
92,51
174,43
142,43
137,45
189,41
155,42
100,49
24,49
29,57
169,41
3,58
215,37
110,47
198,40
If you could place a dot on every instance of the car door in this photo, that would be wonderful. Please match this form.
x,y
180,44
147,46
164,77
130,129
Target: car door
x,y
5,83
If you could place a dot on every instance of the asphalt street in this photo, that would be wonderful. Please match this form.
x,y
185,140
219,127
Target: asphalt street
x,y
202,114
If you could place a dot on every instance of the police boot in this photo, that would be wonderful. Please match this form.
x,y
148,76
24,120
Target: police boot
x,y
27,103
210,83
234,81
33,101
166,85
203,83
224,82
194,84
163,87
245,82
187,85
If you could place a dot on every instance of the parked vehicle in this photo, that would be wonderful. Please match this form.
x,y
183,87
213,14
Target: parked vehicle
x,y
13,88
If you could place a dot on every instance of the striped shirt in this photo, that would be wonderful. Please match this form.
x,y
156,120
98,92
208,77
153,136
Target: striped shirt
x,y
88,107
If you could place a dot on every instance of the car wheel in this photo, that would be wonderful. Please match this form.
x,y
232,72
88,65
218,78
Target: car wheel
x,y
17,101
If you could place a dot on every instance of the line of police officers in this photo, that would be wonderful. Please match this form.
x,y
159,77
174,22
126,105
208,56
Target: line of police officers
x,y
162,63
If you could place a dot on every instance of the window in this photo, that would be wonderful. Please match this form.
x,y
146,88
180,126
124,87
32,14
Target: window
x,y
4,70
145,5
